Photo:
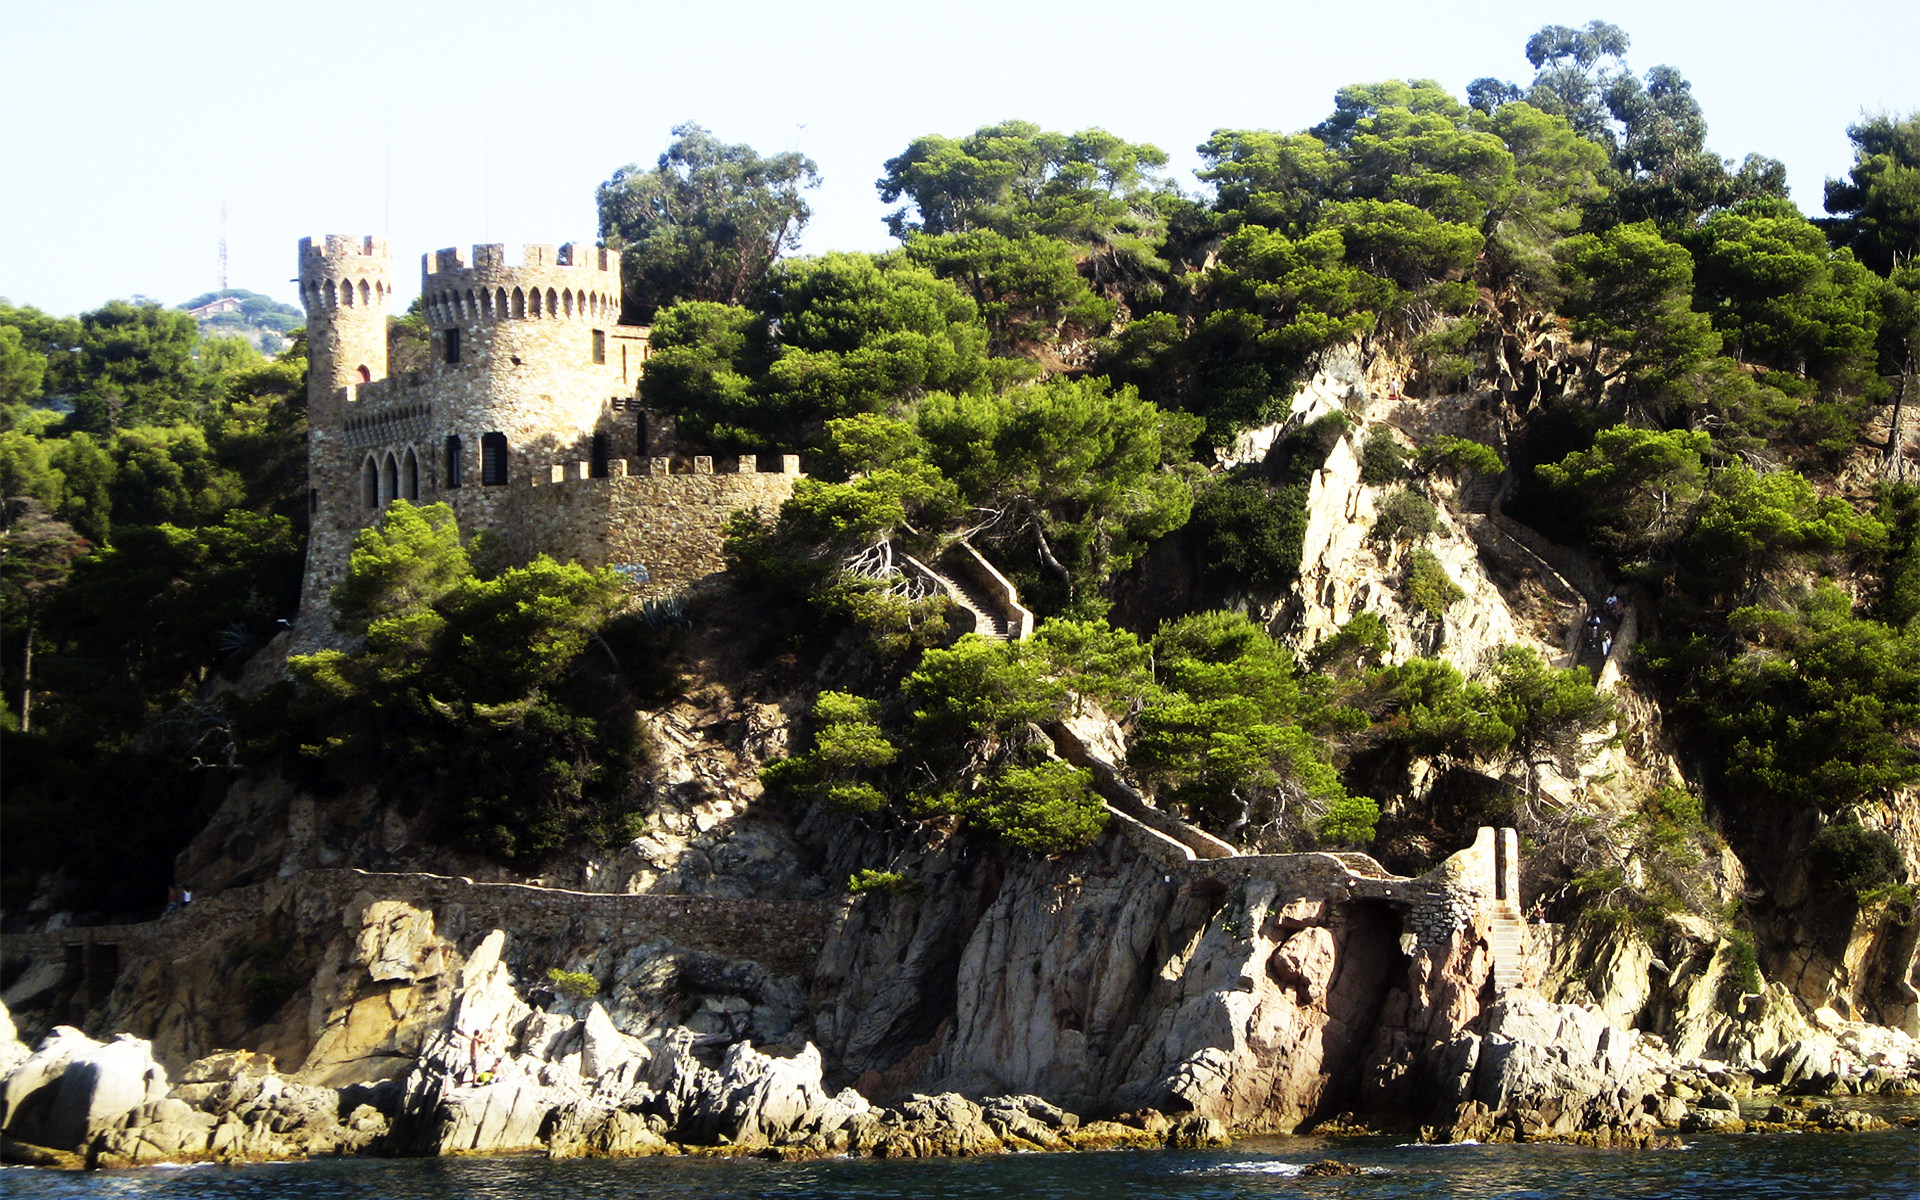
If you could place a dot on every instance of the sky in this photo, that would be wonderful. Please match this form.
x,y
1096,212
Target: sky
x,y
442,124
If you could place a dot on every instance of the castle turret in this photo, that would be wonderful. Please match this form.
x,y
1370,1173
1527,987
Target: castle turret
x,y
344,283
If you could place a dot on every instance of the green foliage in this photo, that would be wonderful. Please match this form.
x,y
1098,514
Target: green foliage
x,y
830,337
1229,739
1382,460
1751,524
705,223
1636,490
1458,457
409,560
1072,468
1528,711
491,698
1781,298
1877,207
1855,857
1898,511
1743,965
866,879
1428,586
1016,179
1629,289
1359,645
1048,808
1816,708
574,985
1250,533
849,750
1029,293
1404,515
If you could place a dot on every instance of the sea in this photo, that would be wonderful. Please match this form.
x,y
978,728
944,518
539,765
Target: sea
x,y
1866,1166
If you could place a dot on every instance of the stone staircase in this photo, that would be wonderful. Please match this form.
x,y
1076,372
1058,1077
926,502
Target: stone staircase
x,y
1508,941
988,620
1477,494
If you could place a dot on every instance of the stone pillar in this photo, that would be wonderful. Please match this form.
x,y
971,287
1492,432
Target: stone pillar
x,y
1509,857
659,466
747,464
789,464
703,464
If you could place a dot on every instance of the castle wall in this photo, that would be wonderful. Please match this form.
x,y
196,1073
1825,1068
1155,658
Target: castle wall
x,y
530,352
661,530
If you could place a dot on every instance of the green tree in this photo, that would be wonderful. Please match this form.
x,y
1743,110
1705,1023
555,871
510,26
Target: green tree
x,y
403,564
135,365
1029,293
1636,490
1228,743
23,370
1015,178
1072,467
705,223
1631,290
1877,207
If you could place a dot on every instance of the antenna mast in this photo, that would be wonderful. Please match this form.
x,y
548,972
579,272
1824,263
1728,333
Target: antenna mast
x,y
223,245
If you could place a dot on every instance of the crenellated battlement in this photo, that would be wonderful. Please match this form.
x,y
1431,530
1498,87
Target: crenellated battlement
x,y
570,282
345,271
700,466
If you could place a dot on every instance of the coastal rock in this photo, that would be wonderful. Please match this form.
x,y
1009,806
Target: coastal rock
x,y
72,1088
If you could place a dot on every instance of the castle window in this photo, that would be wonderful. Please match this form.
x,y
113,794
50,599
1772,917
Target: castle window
x,y
389,481
370,484
453,460
602,455
313,499
599,345
410,477
366,376
453,345
493,459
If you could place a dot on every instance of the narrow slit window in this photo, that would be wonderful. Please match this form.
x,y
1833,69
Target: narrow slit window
x,y
600,345
602,455
493,459
453,460
453,345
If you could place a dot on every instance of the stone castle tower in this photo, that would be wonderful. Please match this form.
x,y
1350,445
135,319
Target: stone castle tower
x,y
523,419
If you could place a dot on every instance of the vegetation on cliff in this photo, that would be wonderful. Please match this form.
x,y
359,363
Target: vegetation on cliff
x,y
1051,367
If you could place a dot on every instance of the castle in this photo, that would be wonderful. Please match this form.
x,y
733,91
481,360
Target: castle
x,y
524,420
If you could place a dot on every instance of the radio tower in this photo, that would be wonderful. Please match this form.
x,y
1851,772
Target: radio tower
x,y
223,245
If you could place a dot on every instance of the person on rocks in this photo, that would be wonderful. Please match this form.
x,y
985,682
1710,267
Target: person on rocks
x,y
1538,913
173,897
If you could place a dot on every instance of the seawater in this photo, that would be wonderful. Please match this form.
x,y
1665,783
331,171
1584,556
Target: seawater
x,y
1873,1166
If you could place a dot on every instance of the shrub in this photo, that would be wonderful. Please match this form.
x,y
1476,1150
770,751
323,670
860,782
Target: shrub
x,y
1349,821
1855,857
1305,450
1048,809
1458,457
1361,643
1382,460
575,985
866,879
1250,534
1404,516
1429,586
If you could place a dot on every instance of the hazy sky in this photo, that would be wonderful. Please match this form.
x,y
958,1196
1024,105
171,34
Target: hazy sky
x,y
446,124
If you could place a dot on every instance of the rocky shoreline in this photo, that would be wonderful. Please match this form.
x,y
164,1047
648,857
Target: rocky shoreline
x,y
576,1086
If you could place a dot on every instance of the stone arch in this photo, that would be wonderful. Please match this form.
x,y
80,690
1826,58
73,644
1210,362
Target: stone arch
x,y
533,303
519,303
566,301
366,294
346,293
389,479
501,309
366,373
410,477
333,297
493,459
370,483
553,303
473,302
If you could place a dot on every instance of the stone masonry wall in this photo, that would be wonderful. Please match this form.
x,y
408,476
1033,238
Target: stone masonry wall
x,y
661,530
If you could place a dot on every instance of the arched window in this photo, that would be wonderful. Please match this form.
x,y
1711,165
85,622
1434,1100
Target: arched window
x,y
366,374
410,477
533,303
493,459
346,293
365,294
553,303
389,480
454,465
602,455
370,484
519,303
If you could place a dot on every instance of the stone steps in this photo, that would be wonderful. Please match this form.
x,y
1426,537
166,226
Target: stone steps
x,y
1508,941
